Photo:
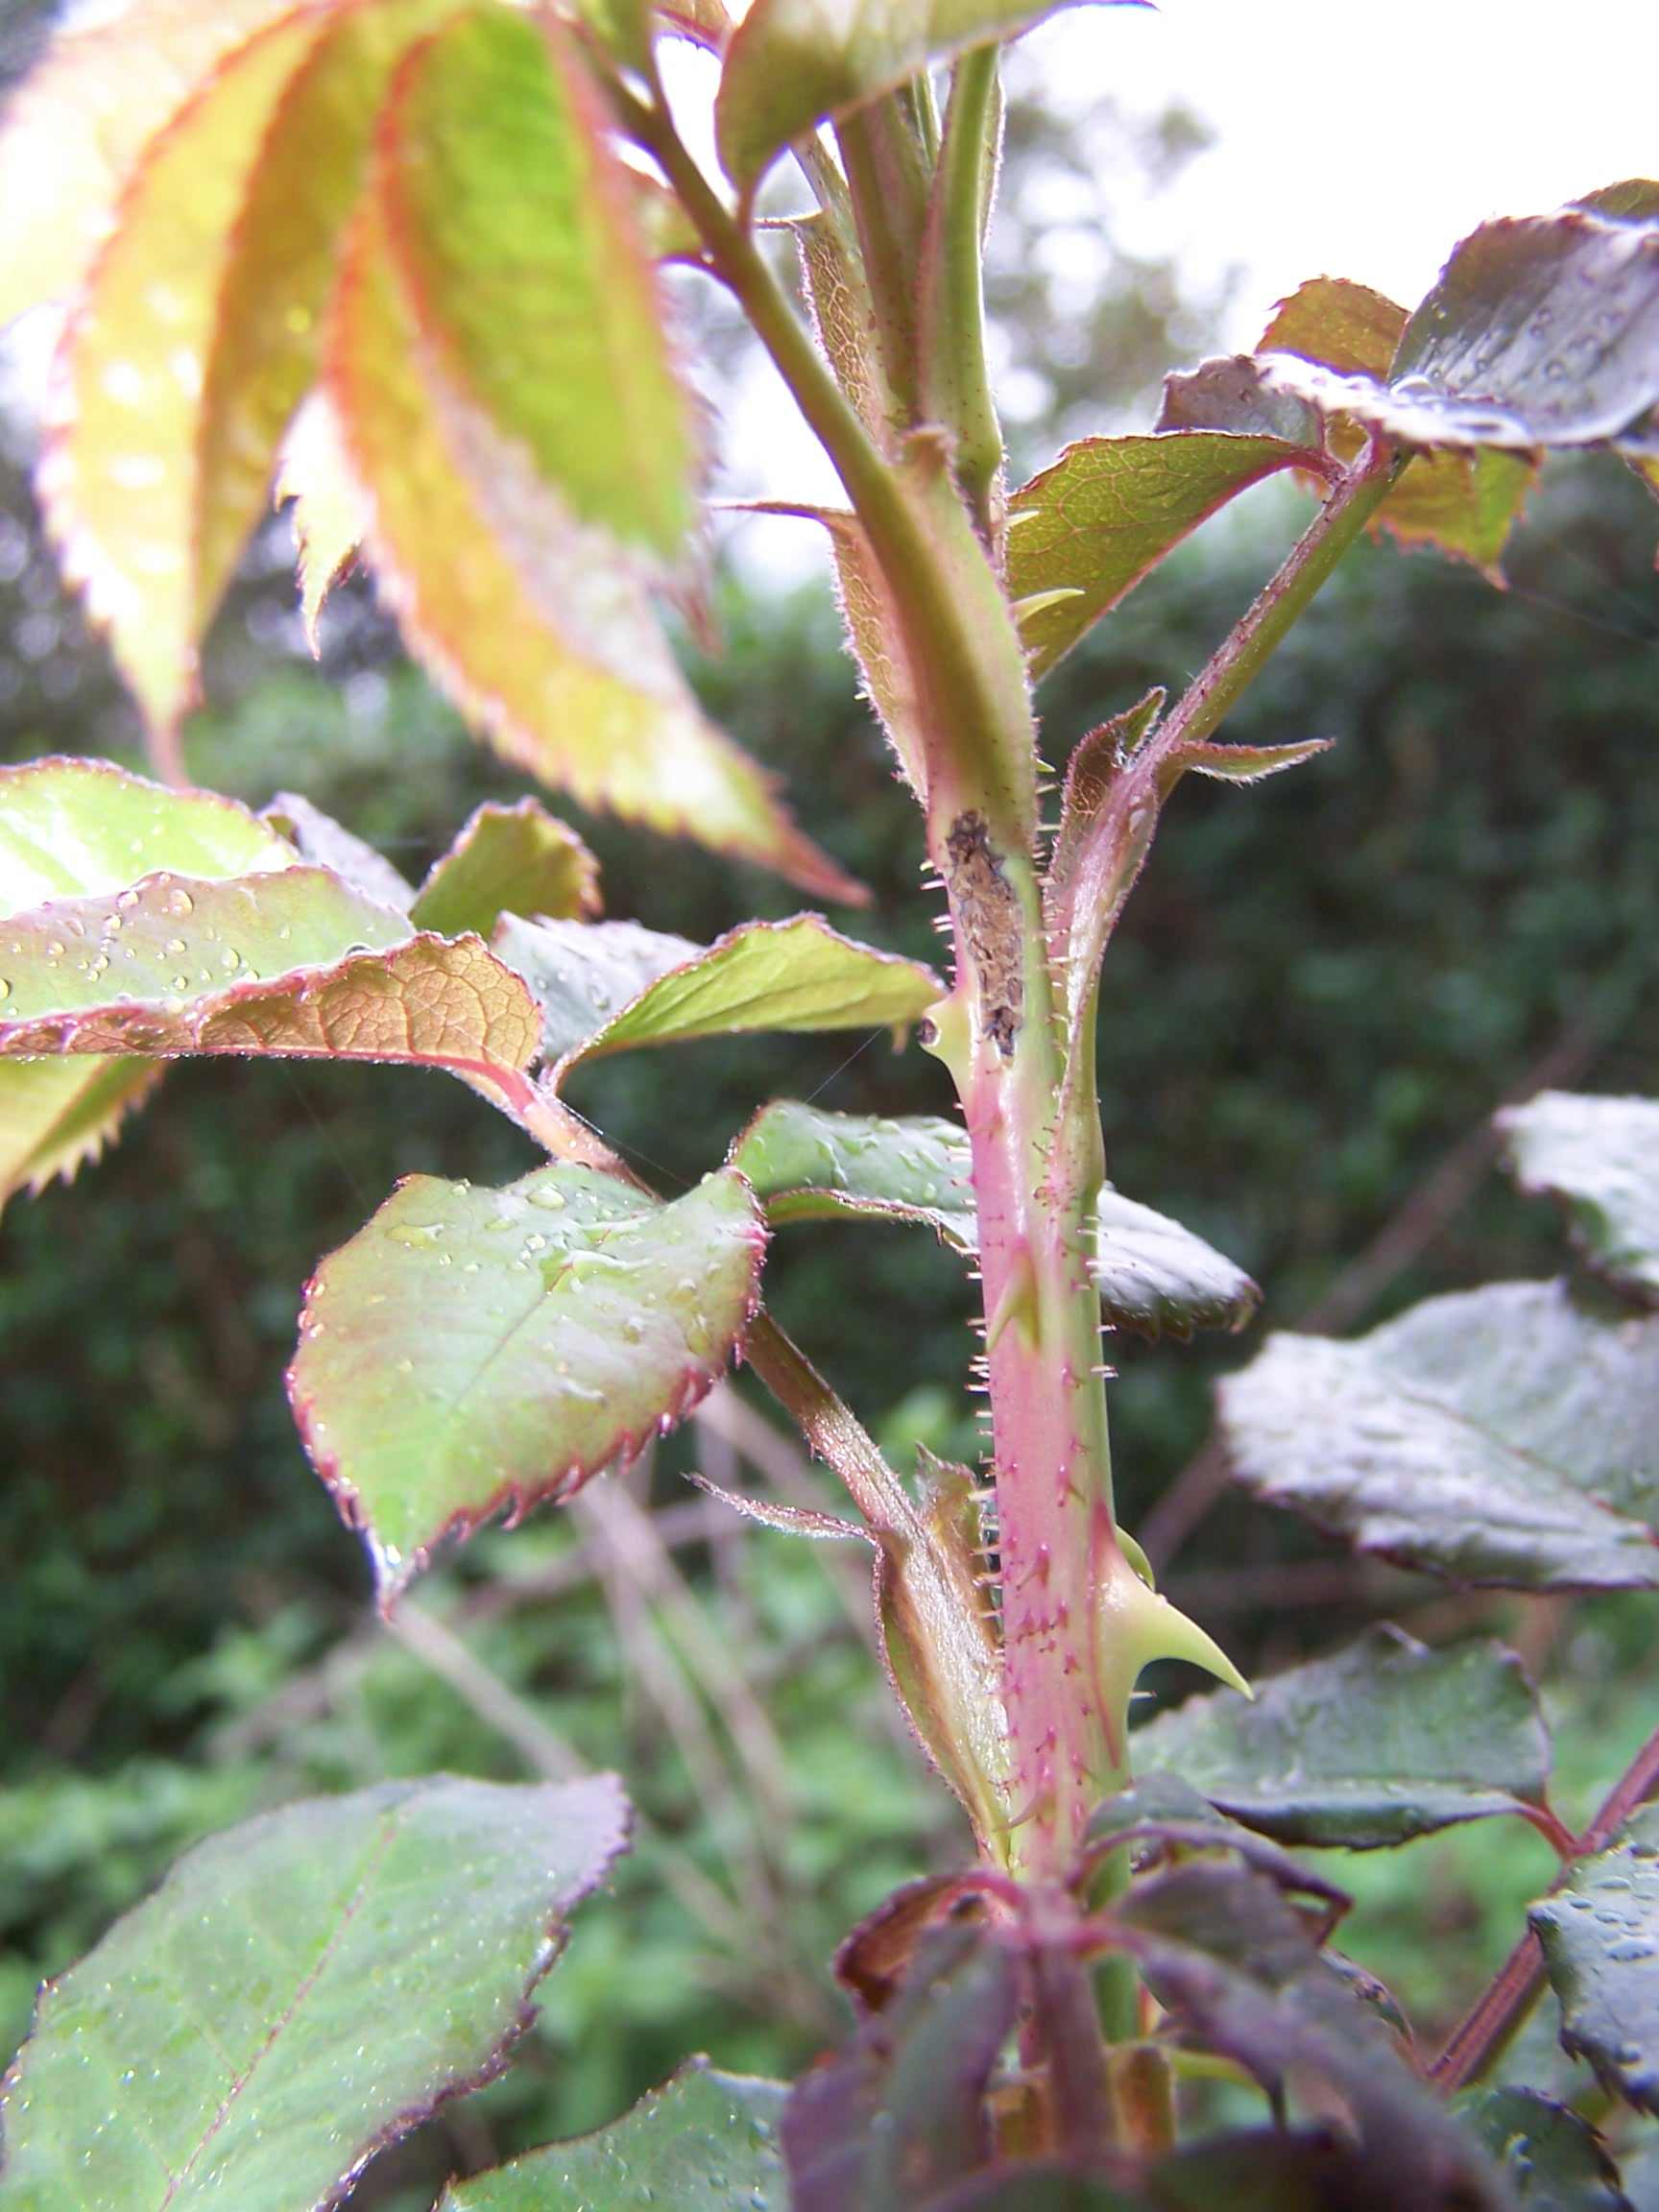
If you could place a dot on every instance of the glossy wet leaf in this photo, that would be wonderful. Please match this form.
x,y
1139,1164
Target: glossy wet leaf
x,y
1385,1741
792,63
1502,1435
517,859
1541,330
300,1992
1552,2160
471,1351
806,1164
1600,1157
73,827
540,295
614,987
1103,517
1599,1934
1231,394
546,642
1234,1964
900,2114
706,2142
1464,503
1158,1279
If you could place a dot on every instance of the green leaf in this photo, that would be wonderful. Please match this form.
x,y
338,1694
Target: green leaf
x,y
792,64
530,623
1384,1742
843,318
1463,503
1599,1934
1600,1156
515,859
1634,200
1104,515
1552,2160
72,828
74,132
472,1350
1542,330
1260,2171
223,257
1154,1276
613,987
1502,1435
300,1992
806,1164
1158,1279
706,2142
522,246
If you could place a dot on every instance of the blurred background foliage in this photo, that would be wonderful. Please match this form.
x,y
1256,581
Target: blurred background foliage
x,y
1322,990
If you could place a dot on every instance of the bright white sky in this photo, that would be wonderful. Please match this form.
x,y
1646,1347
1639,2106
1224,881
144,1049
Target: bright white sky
x,y
1363,140
1352,140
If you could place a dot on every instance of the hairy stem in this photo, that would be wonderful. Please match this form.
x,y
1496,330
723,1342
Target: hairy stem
x,y
956,382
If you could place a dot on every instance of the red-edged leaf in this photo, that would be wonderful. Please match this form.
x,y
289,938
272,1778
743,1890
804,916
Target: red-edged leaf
x,y
1464,503
1086,531
528,623
200,332
515,859
475,1350
72,135
69,829
614,987
520,242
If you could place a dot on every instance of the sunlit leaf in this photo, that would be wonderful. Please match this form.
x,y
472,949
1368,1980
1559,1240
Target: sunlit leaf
x,y
1600,1156
793,63
807,1164
1229,394
1159,1278
72,135
515,859
900,2114
122,475
69,829
1636,200
1502,1435
1552,2160
330,513
1464,503
1108,511
1385,1741
1599,1933
613,987
706,2142
842,316
300,1992
529,623
472,1350
1542,330
537,287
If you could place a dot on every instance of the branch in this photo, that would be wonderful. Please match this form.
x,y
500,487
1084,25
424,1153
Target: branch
x,y
1481,2036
